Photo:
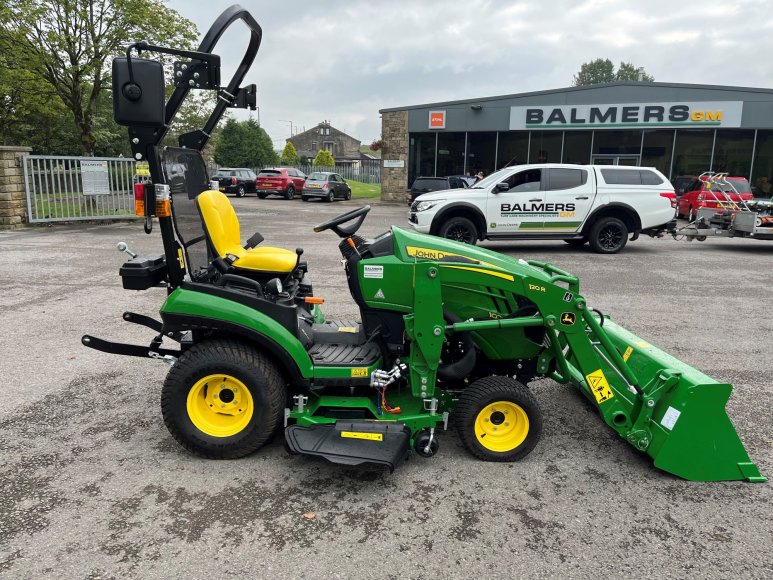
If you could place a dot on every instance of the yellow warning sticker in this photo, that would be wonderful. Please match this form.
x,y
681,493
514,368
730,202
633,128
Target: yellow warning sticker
x,y
361,435
360,372
627,354
599,386
350,329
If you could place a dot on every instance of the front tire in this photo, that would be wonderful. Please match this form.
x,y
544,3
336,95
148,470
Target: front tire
x,y
241,192
223,399
290,192
459,229
692,216
498,419
608,235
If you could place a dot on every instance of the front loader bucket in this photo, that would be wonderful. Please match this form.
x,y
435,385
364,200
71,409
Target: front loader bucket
x,y
690,433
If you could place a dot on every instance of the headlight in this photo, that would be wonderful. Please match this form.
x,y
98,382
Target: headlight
x,y
425,205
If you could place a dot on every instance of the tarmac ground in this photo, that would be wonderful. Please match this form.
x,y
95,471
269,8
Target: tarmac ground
x,y
93,486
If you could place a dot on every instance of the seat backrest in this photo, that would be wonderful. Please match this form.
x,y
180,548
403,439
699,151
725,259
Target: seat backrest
x,y
220,223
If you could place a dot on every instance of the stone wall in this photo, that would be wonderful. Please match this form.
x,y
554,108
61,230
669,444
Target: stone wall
x,y
394,132
13,199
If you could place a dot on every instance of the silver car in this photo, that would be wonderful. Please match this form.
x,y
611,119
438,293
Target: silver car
x,y
326,186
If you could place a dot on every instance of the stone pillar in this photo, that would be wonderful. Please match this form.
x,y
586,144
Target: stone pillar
x,y
394,132
13,199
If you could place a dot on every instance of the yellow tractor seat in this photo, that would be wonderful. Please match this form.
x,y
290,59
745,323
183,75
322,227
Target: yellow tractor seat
x,y
222,229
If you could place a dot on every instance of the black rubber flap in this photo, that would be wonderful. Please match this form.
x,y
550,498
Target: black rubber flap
x,y
371,445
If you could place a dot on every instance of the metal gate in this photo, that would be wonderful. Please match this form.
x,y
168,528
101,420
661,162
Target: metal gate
x,y
63,189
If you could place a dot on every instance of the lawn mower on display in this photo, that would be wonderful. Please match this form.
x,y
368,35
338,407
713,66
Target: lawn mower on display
x,y
450,334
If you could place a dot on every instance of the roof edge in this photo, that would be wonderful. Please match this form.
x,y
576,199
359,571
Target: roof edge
x,y
583,88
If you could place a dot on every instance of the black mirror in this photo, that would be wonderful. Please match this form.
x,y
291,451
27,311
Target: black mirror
x,y
138,92
501,187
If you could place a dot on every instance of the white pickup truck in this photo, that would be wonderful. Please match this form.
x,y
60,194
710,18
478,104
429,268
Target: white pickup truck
x,y
598,204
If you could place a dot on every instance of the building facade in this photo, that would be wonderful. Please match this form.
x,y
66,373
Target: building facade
x,y
680,129
345,149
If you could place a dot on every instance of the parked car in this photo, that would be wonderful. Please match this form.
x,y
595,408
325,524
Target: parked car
x,y
423,185
600,205
698,194
284,181
682,184
326,186
238,180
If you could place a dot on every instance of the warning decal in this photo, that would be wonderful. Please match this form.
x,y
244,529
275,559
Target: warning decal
x,y
599,386
627,354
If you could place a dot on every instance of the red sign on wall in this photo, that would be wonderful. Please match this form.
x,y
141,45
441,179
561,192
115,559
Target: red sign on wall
x,y
437,119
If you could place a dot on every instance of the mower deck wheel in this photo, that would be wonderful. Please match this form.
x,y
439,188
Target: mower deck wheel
x,y
223,399
498,419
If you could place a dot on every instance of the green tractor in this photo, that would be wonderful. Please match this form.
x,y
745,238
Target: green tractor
x,y
449,336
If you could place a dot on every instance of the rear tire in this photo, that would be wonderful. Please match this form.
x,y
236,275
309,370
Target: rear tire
x,y
498,419
223,399
459,229
608,235
290,192
262,195
241,192
348,195
331,196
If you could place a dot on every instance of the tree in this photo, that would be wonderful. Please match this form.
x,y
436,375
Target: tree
x,y
289,155
244,144
67,44
602,70
324,158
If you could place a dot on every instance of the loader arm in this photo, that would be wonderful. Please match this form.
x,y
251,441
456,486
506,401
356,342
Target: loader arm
x,y
658,404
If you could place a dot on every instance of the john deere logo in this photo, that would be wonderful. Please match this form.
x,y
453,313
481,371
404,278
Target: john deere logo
x,y
568,318
493,225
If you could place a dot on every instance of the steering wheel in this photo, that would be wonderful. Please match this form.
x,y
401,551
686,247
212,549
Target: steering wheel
x,y
346,232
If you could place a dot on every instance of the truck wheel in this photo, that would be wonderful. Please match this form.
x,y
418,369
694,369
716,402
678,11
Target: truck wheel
x,y
460,229
290,192
241,191
223,399
498,419
608,235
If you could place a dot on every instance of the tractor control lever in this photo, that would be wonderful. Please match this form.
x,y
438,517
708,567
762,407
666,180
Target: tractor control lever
x,y
122,247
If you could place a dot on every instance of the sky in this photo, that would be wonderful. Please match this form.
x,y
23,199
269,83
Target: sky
x,y
342,61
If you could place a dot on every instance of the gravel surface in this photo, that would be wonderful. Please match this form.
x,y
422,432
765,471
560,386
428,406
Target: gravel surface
x,y
93,486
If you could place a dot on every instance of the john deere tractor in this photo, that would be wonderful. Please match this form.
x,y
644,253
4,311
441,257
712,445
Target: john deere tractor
x,y
450,335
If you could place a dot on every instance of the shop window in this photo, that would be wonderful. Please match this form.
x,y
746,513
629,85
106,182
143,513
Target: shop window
x,y
481,149
692,154
450,154
762,176
577,147
421,155
545,147
657,149
733,152
617,142
513,148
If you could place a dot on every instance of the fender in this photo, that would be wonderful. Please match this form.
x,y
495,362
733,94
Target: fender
x,y
188,309
479,217
627,209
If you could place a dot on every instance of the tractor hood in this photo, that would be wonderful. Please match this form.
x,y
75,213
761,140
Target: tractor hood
x,y
412,246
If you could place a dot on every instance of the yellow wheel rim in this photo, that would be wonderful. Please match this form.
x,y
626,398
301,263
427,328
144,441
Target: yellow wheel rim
x,y
501,426
220,405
